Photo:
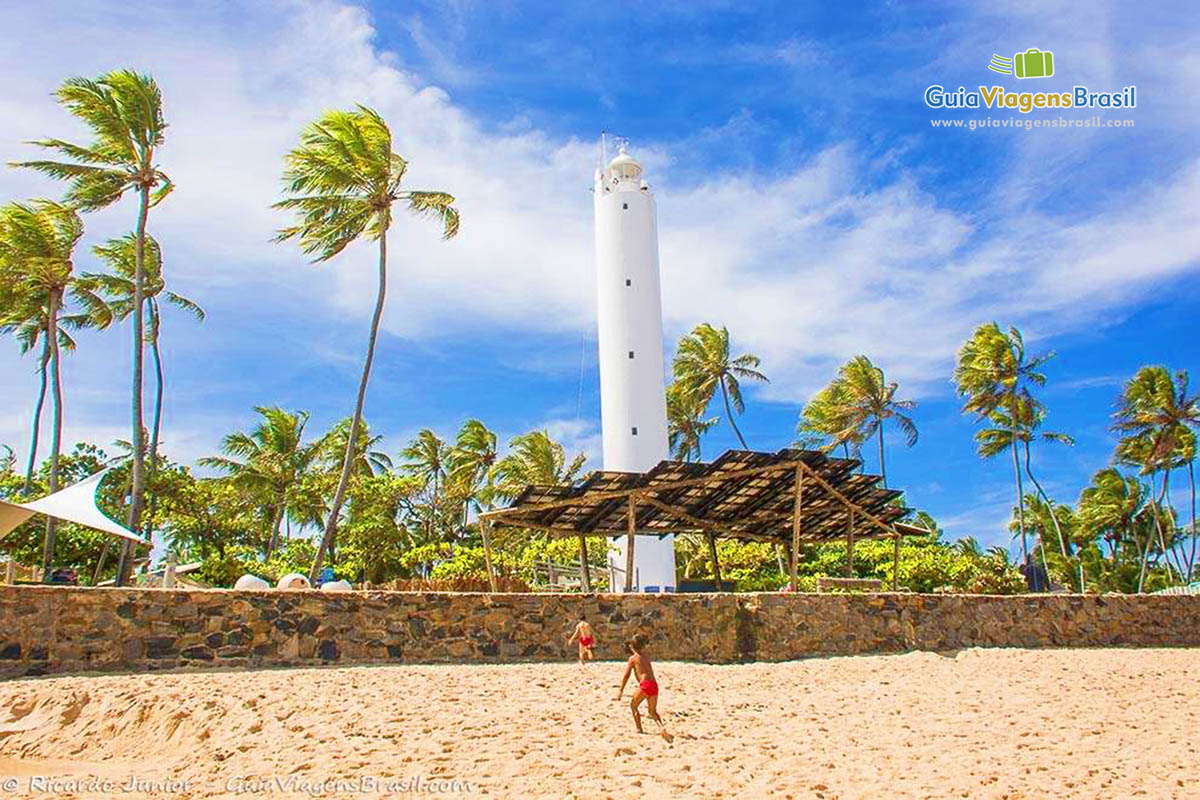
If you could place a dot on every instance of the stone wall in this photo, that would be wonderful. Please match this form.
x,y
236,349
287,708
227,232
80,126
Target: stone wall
x,y
62,629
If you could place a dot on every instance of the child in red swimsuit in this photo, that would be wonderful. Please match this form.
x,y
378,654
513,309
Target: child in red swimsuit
x,y
647,690
583,633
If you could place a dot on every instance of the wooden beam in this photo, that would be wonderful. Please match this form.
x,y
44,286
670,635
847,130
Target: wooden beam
x,y
800,465
702,524
585,575
850,546
607,533
896,563
485,530
630,535
797,502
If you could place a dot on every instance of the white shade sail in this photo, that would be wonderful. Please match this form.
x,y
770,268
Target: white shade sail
x,y
76,503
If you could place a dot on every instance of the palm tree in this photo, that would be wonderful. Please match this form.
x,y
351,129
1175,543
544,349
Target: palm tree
x,y
969,546
535,459
994,372
823,425
1188,454
855,406
1156,414
273,461
1123,511
702,364
368,460
1141,452
1020,432
1109,505
686,422
427,456
124,111
343,179
26,315
37,248
119,289
310,503
472,465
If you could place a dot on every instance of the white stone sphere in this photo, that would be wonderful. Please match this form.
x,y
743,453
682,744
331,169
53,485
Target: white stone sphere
x,y
251,582
336,586
293,580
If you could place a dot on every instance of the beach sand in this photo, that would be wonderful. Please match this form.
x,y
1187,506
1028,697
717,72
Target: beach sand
x,y
976,724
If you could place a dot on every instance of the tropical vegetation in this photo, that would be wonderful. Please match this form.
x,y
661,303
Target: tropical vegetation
x,y
280,497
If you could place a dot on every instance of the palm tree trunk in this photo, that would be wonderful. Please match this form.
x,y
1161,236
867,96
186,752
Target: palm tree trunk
x,y
1145,550
56,436
712,553
156,426
100,561
433,508
729,414
882,466
1062,540
339,496
1154,509
1020,501
273,540
1158,523
1174,556
37,419
1191,564
138,469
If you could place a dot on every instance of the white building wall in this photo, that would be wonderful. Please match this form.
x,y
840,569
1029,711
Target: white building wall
x,y
632,391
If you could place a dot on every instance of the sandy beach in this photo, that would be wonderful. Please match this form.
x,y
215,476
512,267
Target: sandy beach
x,y
976,724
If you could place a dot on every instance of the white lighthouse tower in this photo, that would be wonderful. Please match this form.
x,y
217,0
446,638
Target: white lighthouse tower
x,y
633,404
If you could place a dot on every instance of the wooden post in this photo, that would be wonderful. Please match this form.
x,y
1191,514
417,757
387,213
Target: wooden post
x,y
585,575
850,546
169,572
10,572
631,524
895,561
712,551
485,529
797,503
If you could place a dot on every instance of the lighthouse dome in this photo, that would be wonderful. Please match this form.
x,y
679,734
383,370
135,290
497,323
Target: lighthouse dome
x,y
625,166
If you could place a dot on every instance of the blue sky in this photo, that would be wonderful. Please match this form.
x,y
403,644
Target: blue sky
x,y
805,202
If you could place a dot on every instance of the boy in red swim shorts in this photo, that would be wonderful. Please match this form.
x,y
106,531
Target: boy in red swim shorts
x,y
639,664
583,633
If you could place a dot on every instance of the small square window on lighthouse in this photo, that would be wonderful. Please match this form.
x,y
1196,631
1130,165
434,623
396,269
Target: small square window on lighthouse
x,y
628,282
631,354
635,431
625,206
